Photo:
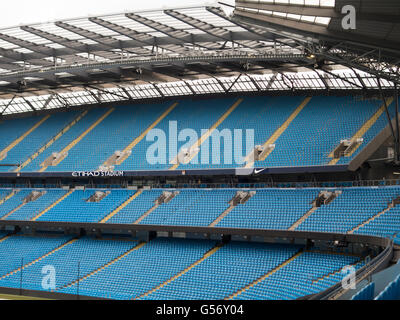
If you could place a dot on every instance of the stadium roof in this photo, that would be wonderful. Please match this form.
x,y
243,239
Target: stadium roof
x,y
373,46
170,52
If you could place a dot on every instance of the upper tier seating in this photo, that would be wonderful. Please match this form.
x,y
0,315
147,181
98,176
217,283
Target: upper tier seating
x,y
69,136
12,129
318,129
262,114
37,138
195,115
114,133
308,139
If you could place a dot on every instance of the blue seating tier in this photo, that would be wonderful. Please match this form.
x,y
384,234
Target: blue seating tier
x,y
306,140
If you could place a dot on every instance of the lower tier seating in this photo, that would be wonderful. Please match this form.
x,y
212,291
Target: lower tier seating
x,y
165,268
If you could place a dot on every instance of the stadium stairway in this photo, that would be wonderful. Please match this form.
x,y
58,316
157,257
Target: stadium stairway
x,y
302,219
280,130
53,204
78,139
3,153
136,247
205,256
265,276
123,205
361,132
40,258
146,214
51,141
5,237
205,136
128,149
223,215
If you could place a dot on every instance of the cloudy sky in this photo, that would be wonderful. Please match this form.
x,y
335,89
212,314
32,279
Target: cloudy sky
x,y
18,12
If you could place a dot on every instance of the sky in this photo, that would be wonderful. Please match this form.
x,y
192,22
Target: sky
x,y
17,12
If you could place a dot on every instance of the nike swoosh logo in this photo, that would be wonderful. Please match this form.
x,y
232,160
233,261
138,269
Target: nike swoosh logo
x,y
258,171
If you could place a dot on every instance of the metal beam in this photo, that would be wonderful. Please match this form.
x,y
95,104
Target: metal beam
x,y
387,113
109,92
263,32
110,42
233,83
351,63
73,45
7,66
316,31
341,78
158,62
271,81
29,104
291,9
126,92
105,40
181,35
33,57
290,81
359,79
41,50
309,10
9,104
46,103
221,84
63,101
158,90
144,38
190,87
322,79
254,82
96,96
